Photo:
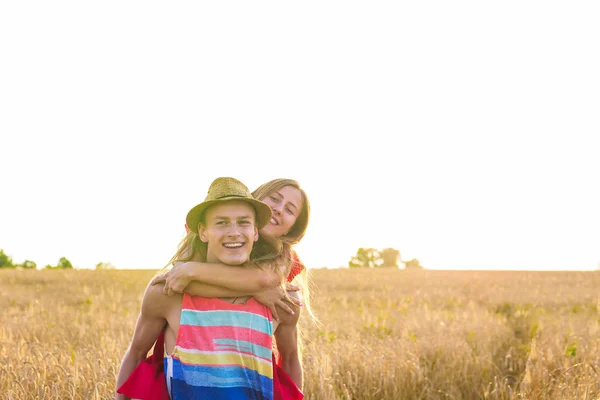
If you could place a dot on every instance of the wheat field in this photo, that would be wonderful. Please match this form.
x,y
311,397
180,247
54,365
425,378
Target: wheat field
x,y
384,334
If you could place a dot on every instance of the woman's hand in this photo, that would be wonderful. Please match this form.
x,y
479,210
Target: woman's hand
x,y
293,293
273,297
176,279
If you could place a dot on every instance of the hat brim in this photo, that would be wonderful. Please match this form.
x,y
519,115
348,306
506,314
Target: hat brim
x,y
262,210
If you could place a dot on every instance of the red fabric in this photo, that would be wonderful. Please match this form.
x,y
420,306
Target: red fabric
x,y
147,381
297,267
284,388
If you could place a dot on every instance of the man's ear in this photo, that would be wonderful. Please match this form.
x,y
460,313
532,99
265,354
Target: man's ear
x,y
255,233
202,233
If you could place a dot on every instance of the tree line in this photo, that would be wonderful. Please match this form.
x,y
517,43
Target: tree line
x,y
63,263
368,257
7,262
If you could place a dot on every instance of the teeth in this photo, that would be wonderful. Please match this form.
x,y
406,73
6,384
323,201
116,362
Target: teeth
x,y
233,245
273,221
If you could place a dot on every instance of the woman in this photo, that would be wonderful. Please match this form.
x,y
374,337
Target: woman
x,y
291,212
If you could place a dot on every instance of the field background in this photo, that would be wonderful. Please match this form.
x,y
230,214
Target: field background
x,y
385,334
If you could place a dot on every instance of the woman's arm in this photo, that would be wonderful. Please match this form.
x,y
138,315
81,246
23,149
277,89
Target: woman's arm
x,y
219,280
240,281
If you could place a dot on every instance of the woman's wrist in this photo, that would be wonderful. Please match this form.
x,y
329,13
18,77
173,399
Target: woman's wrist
x,y
193,270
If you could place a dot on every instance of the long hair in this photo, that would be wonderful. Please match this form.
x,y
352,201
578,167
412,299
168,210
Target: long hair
x,y
295,234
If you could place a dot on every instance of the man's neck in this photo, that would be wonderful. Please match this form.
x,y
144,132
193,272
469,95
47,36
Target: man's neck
x,y
234,300
210,259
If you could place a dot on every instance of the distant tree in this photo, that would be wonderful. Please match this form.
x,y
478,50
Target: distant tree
x,y
28,264
413,264
63,263
48,266
5,260
366,258
390,257
103,265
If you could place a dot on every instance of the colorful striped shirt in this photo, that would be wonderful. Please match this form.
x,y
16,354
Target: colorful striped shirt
x,y
222,351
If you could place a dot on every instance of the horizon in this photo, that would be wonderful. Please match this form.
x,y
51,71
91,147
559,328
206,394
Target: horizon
x,y
400,267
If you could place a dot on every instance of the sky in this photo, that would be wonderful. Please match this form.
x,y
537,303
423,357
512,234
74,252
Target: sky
x,y
464,134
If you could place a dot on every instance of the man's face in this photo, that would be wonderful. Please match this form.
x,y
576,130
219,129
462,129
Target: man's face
x,y
230,232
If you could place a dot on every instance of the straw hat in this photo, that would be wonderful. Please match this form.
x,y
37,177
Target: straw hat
x,y
227,189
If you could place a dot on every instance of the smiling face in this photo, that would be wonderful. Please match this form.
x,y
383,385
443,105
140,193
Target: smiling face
x,y
286,204
230,232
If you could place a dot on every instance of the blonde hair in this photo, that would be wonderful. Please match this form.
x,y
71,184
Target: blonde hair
x,y
295,234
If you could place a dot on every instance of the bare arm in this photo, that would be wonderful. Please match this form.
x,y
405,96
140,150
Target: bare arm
x,y
196,288
286,336
150,323
219,280
227,281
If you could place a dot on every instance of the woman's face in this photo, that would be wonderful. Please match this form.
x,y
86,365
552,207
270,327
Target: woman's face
x,y
286,204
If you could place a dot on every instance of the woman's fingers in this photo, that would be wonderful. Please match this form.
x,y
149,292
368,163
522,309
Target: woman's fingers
x,y
170,291
297,301
285,307
158,279
274,312
178,286
167,289
292,288
296,298
178,282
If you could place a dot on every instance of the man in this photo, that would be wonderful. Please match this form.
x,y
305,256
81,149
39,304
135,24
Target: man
x,y
216,348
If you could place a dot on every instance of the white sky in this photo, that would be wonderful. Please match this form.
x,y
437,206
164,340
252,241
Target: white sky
x,y
465,134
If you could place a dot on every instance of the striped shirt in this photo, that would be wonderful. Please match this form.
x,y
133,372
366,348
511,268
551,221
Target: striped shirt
x,y
222,351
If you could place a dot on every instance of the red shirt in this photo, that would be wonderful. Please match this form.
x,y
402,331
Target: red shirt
x,y
297,266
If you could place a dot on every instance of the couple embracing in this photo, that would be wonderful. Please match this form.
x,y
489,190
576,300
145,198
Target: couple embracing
x,y
223,300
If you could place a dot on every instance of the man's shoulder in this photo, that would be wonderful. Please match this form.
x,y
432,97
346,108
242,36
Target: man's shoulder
x,y
154,291
157,303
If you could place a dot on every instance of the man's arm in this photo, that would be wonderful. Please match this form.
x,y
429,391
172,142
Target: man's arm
x,y
286,336
150,323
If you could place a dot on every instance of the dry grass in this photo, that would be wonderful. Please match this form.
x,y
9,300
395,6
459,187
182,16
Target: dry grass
x,y
386,334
